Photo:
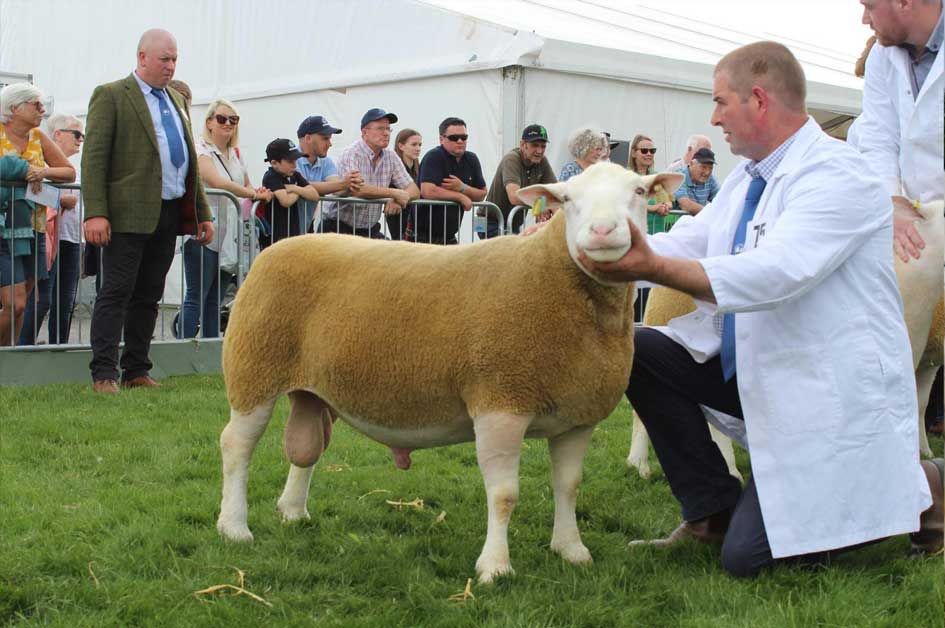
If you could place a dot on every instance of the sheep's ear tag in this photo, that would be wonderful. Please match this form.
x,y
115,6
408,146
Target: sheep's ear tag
x,y
539,205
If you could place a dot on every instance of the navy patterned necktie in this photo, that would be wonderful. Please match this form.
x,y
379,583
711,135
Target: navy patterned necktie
x,y
174,142
755,189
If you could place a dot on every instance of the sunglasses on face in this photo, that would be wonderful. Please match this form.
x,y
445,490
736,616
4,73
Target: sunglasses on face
x,y
78,135
234,120
647,151
458,137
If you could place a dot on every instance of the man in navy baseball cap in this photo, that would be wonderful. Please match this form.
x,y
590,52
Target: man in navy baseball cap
x,y
315,135
376,114
316,124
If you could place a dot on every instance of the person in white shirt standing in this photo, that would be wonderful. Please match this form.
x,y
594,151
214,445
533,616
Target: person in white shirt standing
x,y
209,269
900,129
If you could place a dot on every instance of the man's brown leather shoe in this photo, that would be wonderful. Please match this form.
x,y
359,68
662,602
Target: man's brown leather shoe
x,y
107,386
931,534
710,529
144,381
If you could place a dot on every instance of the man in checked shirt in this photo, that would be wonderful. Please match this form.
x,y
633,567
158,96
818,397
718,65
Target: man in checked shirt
x,y
384,177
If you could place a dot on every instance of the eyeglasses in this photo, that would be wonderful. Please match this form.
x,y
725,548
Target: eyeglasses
x,y
78,135
382,129
234,120
458,137
36,103
647,151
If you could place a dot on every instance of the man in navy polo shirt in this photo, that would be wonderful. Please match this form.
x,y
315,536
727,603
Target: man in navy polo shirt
x,y
700,187
448,173
316,166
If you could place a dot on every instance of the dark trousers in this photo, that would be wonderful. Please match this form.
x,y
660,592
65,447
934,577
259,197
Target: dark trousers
x,y
135,266
54,295
666,387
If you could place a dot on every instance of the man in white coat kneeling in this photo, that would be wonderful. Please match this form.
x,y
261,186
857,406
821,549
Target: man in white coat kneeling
x,y
799,332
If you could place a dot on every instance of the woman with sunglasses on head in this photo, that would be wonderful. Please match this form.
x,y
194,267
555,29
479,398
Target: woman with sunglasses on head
x,y
26,154
221,167
642,156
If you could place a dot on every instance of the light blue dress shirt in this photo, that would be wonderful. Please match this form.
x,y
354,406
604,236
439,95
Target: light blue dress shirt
x,y
173,179
316,172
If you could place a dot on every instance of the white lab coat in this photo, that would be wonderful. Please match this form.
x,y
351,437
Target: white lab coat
x,y
901,136
823,357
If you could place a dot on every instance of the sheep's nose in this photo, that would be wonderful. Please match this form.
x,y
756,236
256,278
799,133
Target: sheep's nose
x,y
603,230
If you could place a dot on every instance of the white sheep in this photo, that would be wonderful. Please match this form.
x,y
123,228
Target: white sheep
x,y
443,368
921,286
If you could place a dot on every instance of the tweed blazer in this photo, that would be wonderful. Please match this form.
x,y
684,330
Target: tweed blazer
x,y
121,166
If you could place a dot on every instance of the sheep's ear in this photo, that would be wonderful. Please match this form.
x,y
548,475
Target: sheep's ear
x,y
669,180
555,194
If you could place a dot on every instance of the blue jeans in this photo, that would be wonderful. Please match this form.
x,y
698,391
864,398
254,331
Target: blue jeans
x,y
204,285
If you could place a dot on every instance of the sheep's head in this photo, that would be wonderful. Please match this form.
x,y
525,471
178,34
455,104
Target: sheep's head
x,y
597,204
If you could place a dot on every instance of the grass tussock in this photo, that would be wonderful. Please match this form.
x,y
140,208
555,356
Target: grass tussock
x,y
108,509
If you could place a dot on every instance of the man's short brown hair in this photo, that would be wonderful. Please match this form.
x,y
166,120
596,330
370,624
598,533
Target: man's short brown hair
x,y
769,65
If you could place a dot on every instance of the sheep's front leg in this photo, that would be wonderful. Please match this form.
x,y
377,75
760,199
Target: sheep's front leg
x,y
237,443
498,447
639,456
567,460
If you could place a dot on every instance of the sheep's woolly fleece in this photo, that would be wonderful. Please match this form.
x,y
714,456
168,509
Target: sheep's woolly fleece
x,y
934,348
412,335
665,304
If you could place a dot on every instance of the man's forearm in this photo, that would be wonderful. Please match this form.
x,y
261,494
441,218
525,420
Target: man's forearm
x,y
688,205
684,275
373,191
475,194
330,187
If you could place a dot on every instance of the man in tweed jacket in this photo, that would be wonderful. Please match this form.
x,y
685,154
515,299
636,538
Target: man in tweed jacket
x,y
140,191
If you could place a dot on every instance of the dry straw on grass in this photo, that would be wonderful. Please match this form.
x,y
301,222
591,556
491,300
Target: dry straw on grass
x,y
236,589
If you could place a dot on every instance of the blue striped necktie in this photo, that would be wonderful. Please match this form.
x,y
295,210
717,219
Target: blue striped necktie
x,y
755,189
174,142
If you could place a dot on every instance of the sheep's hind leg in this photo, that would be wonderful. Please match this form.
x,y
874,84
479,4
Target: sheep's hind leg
x,y
567,460
639,456
724,443
924,377
237,443
307,434
498,447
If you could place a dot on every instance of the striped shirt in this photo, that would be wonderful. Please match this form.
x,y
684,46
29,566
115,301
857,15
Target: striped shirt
x,y
387,171
764,169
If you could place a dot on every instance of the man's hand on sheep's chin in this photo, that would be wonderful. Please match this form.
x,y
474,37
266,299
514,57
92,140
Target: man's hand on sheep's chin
x,y
639,263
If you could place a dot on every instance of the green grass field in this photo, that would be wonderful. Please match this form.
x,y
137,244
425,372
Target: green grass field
x,y
108,509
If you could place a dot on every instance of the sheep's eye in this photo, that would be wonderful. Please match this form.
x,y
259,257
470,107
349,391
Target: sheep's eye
x,y
566,198
640,191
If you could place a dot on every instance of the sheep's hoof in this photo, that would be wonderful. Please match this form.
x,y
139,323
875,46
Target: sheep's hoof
x,y
234,531
291,514
642,466
575,553
489,570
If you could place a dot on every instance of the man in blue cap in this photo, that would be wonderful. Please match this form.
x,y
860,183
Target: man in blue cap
x,y
316,166
384,176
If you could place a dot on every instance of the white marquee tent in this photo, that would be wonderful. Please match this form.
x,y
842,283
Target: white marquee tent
x,y
499,64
